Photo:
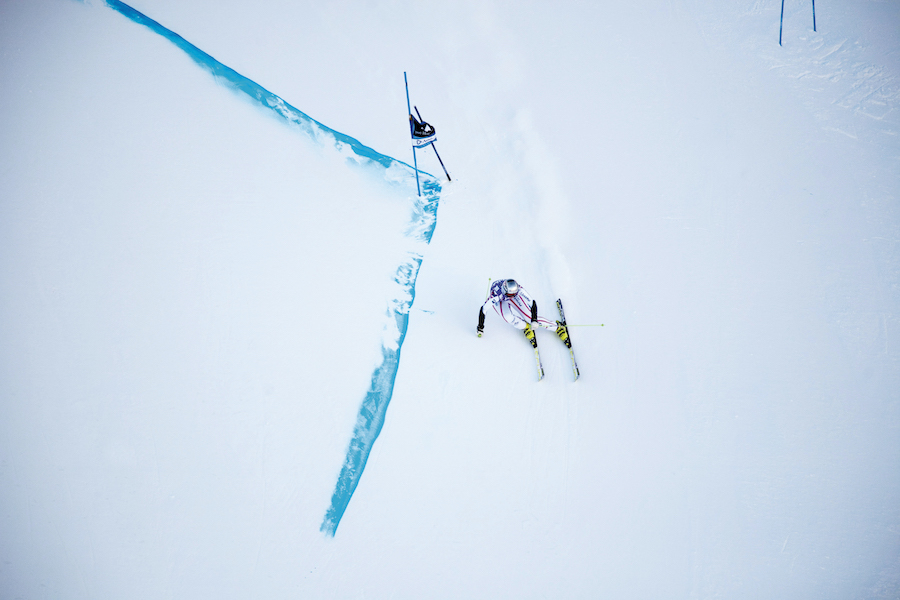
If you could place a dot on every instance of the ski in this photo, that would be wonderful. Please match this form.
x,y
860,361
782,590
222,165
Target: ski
x,y
537,356
568,341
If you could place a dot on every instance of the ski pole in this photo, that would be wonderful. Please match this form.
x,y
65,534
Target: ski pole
x,y
814,14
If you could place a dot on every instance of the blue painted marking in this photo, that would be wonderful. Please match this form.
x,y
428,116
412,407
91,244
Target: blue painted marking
x,y
424,218
252,89
374,406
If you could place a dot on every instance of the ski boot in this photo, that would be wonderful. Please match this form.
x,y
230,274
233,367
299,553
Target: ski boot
x,y
563,332
529,335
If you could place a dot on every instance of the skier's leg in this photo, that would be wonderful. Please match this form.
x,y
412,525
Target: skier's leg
x,y
545,323
510,316
558,328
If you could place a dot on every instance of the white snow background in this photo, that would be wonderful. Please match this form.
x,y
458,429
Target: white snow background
x,y
191,294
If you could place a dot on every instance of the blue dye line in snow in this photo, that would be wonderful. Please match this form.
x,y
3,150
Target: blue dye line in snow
x,y
374,407
254,90
375,404
424,218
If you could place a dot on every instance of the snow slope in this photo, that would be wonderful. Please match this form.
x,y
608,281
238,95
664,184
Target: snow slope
x,y
192,296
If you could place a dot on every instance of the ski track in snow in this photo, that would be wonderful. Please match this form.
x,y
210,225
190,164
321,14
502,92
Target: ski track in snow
x,y
419,232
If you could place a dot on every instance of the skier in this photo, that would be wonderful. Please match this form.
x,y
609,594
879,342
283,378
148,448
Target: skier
x,y
517,308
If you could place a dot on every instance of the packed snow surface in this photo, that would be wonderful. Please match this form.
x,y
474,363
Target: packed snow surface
x,y
199,287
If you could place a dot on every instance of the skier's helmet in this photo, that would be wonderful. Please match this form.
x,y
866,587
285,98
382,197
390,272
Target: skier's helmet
x,y
510,287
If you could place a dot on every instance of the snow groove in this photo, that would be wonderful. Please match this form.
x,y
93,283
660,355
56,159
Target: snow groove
x,y
419,231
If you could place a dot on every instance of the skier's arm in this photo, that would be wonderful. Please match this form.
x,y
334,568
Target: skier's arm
x,y
481,315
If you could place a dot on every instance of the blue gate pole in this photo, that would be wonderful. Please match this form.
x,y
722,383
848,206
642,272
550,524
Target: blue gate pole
x,y
416,167
814,14
780,27
409,114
